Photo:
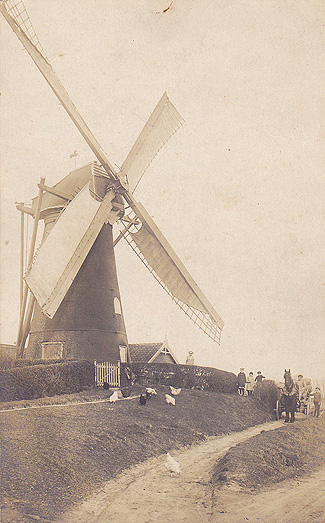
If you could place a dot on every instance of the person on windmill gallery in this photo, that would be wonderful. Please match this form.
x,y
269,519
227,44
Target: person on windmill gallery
x,y
190,358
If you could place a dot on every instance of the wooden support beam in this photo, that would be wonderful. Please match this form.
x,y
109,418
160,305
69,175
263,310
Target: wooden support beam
x,y
121,234
22,208
22,246
20,346
55,192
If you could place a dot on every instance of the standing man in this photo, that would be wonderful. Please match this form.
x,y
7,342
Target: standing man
x,y
241,382
190,358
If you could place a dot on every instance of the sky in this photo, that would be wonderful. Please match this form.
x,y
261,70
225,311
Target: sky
x,y
237,191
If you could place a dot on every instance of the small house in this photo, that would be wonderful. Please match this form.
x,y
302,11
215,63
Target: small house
x,y
151,353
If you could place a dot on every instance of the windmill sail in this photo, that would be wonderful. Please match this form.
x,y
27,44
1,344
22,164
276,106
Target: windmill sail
x,y
162,124
60,257
16,15
155,252
71,238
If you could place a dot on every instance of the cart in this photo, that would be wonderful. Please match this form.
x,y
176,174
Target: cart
x,y
305,402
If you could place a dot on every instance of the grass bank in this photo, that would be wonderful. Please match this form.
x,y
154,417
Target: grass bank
x,y
55,457
273,456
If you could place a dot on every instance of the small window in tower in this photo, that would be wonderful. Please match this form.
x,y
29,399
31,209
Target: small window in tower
x,y
52,350
123,354
117,306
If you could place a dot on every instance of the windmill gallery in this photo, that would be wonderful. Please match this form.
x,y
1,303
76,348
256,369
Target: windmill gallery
x,y
70,299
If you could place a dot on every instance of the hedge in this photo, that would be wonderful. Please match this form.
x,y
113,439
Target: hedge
x,y
6,362
185,376
36,381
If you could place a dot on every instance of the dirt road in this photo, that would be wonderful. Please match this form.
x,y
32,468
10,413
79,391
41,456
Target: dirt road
x,y
148,493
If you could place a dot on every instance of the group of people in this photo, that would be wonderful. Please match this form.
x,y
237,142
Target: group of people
x,y
305,390
248,384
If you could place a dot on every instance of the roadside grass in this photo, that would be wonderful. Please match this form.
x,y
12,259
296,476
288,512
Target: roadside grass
x,y
274,456
87,395
55,457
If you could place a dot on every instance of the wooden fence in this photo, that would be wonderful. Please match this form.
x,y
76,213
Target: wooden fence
x,y
108,372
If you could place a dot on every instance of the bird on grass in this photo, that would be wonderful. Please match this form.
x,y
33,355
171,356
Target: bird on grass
x,y
114,397
126,392
170,400
174,391
151,391
142,399
172,465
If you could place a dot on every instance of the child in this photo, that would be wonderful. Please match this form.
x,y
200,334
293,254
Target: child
x,y
317,401
250,383
259,377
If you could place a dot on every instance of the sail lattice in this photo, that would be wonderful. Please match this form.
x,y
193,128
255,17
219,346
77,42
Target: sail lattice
x,y
201,318
17,10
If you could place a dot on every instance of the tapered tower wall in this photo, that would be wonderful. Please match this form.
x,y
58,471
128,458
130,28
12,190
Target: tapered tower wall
x,y
89,323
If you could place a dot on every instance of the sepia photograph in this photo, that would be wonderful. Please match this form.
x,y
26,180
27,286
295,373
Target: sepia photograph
x,y
162,334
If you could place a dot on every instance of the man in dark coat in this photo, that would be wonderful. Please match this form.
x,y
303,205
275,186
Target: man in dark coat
x,y
241,381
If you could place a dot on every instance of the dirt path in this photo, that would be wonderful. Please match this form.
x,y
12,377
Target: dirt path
x,y
300,500
148,493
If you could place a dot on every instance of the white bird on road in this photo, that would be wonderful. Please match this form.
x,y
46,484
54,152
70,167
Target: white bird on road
x,y
170,400
174,391
172,465
113,397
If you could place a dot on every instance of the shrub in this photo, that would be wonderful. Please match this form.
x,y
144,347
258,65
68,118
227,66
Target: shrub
x,y
6,361
36,381
267,392
9,363
185,376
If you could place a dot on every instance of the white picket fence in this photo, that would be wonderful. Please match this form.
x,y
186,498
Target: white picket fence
x,y
109,372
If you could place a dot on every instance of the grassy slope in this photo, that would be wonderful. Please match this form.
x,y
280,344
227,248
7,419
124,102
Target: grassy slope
x,y
53,457
274,456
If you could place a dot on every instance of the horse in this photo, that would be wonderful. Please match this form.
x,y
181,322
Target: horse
x,y
290,396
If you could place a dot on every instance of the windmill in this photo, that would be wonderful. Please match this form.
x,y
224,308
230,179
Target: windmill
x,y
74,305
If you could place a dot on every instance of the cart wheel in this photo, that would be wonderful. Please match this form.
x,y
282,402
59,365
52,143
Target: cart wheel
x,y
278,410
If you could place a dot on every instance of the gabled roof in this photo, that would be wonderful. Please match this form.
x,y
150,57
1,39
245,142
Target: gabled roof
x,y
148,352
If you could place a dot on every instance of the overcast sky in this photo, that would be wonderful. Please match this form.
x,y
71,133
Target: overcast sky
x,y
237,191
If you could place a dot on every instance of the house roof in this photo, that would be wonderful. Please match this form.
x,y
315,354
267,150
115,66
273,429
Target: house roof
x,y
146,352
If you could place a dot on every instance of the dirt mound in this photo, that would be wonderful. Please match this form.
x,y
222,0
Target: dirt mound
x,y
273,456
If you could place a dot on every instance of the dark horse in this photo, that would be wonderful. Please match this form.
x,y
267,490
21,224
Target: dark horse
x,y
290,396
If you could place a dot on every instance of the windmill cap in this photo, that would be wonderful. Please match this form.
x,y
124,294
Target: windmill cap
x,y
190,352
241,368
300,376
259,372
